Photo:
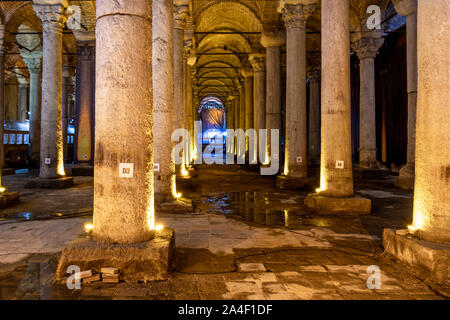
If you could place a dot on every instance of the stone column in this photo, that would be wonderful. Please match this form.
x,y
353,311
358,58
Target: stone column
x,y
366,44
53,20
22,99
259,92
314,116
242,106
249,115
296,144
85,105
34,68
429,250
432,185
408,8
335,194
65,115
2,98
181,13
123,174
163,100
272,41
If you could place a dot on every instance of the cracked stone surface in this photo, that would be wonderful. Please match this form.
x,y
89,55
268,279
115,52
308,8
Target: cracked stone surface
x,y
246,240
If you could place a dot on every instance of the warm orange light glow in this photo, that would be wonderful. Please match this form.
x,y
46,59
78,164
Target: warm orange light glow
x,y
184,172
88,227
2,189
159,227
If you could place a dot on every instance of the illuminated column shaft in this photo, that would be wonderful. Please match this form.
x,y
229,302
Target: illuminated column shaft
x,y
249,113
180,15
163,99
432,183
272,41
336,134
85,103
296,145
23,98
243,106
189,118
314,116
34,68
366,46
408,8
65,115
259,91
53,20
123,207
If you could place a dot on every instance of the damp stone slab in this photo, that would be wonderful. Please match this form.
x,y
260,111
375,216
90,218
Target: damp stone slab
x,y
145,261
430,256
291,183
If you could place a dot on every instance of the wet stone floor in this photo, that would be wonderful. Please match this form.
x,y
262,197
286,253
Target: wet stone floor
x,y
246,240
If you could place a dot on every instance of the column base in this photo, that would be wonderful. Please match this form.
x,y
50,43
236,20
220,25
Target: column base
x,y
8,198
291,183
145,261
345,206
184,183
434,258
179,206
8,172
40,183
83,170
370,173
405,182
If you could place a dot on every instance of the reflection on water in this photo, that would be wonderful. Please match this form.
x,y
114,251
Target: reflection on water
x,y
263,209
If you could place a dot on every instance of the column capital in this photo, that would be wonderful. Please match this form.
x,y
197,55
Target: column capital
x,y
23,81
247,72
367,47
405,7
33,64
53,16
273,38
314,74
86,50
296,12
180,15
258,61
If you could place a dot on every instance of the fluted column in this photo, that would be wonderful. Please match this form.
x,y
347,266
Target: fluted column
x,y
432,184
408,8
123,189
314,116
296,144
366,44
272,41
163,99
53,21
259,92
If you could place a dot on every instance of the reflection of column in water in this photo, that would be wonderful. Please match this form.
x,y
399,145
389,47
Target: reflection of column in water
x,y
286,218
259,215
242,204
249,207
274,217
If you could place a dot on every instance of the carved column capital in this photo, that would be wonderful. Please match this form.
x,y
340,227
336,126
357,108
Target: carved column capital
x,y
180,15
405,7
53,17
247,72
367,47
86,51
273,38
295,13
258,62
34,64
